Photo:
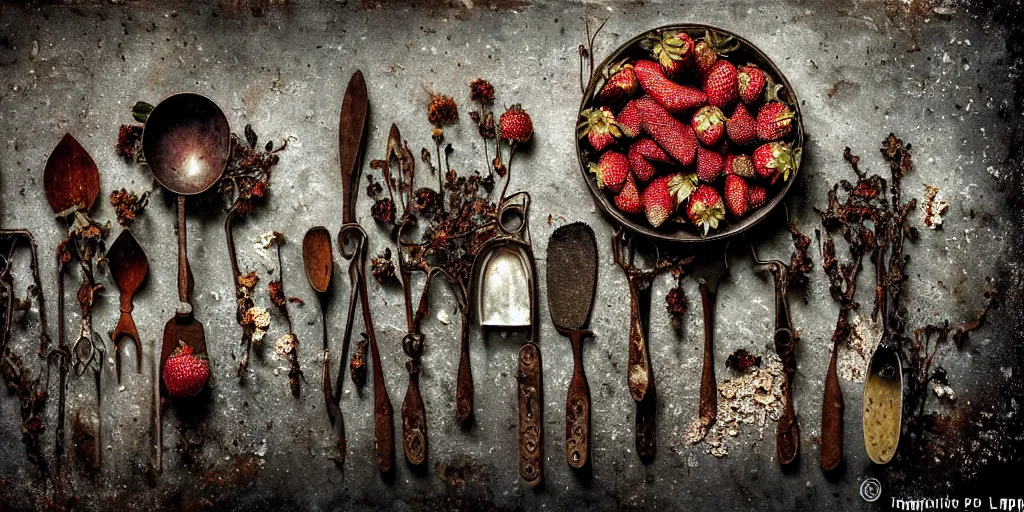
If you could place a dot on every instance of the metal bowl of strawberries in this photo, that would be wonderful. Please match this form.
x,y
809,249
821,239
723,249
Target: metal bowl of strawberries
x,y
689,133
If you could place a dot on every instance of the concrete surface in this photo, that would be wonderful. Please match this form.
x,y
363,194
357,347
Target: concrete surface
x,y
943,79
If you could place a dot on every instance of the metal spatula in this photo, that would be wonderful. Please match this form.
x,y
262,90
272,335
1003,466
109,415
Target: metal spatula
x,y
571,279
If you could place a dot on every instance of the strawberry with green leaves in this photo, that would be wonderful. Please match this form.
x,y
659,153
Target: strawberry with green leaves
x,y
628,199
709,124
599,126
611,170
709,164
776,159
736,195
709,48
751,81
620,87
674,97
705,208
721,84
676,138
515,125
673,51
658,201
681,186
775,119
741,127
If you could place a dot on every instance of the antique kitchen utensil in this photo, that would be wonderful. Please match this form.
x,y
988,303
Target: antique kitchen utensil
x,y
186,142
883,385
504,282
572,281
318,259
787,434
352,245
9,240
71,182
708,274
129,267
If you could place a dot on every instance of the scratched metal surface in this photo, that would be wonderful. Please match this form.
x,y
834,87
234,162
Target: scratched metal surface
x,y
943,79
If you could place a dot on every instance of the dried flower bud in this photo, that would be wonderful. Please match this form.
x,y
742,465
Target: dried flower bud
x,y
481,91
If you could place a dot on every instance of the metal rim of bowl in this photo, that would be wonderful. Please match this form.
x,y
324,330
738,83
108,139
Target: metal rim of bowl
x,y
681,234
227,138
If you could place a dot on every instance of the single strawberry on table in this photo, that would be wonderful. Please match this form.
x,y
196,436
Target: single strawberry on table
x,y
751,81
736,195
611,170
741,127
709,124
599,126
757,196
658,201
776,159
775,119
709,164
515,125
674,97
676,138
721,84
673,51
185,374
620,87
705,208
628,199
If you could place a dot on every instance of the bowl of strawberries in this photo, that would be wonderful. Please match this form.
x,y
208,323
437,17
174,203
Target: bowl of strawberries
x,y
689,133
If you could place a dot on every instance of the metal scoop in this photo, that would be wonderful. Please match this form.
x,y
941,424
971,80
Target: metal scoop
x,y
129,267
883,387
572,279
186,142
317,256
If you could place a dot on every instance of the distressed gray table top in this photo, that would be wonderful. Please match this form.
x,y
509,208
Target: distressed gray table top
x,y
939,78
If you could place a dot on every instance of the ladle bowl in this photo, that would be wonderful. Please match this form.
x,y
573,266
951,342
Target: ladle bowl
x,y
187,143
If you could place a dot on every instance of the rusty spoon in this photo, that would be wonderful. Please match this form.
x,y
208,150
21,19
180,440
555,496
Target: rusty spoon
x,y
318,259
129,266
186,142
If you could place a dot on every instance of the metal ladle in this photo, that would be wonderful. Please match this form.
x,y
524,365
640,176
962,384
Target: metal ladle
x,y
187,143
883,386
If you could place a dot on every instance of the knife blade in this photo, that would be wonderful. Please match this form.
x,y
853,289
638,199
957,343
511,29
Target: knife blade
x,y
352,140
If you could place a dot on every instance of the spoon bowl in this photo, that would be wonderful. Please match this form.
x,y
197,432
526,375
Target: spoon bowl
x,y
187,142
318,259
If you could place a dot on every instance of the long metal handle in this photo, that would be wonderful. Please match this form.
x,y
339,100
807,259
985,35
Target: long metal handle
x,y
708,387
464,384
787,434
185,308
832,416
383,428
531,425
577,407
638,373
414,419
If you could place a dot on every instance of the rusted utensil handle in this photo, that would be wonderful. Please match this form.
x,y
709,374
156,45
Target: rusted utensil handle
x,y
577,407
708,387
638,373
184,309
383,427
832,418
530,416
646,433
464,384
787,434
414,419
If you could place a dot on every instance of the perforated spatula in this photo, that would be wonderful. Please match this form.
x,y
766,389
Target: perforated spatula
x,y
571,279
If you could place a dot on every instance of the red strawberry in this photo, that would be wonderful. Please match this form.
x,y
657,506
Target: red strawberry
x,y
709,164
776,159
611,170
516,125
677,139
630,120
628,200
741,127
736,190
751,83
658,202
642,169
185,374
651,150
774,121
705,208
708,49
740,165
599,126
709,124
757,196
720,84
621,86
674,97
672,51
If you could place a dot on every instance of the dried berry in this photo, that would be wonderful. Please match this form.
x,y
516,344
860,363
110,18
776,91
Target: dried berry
x,y
357,368
442,110
127,205
129,140
481,91
742,361
384,210
383,268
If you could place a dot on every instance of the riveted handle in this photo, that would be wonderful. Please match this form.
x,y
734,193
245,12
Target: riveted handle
x,y
577,407
530,414
414,419
638,373
464,384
